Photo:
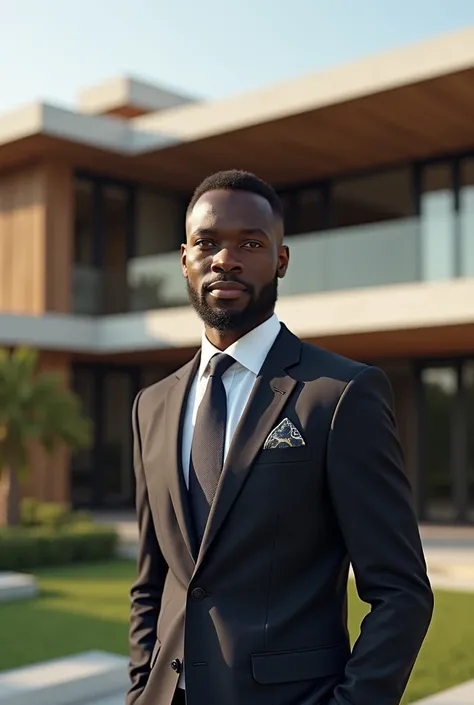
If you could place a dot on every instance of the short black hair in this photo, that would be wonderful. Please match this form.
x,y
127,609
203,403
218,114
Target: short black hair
x,y
237,180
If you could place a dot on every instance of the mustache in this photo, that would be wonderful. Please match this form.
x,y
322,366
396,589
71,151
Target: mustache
x,y
225,278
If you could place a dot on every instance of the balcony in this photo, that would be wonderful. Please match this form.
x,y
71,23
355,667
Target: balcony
x,y
350,258
147,283
378,254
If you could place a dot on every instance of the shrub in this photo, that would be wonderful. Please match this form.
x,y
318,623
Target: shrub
x,y
52,514
25,548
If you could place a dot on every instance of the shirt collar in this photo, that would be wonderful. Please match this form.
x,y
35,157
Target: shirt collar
x,y
249,351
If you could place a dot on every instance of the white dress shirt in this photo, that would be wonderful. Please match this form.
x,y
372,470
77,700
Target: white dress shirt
x,y
249,353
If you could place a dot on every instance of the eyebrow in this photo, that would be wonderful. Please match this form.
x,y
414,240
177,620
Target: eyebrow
x,y
200,232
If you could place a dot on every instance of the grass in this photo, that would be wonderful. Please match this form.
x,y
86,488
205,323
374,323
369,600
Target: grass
x,y
447,657
87,607
81,607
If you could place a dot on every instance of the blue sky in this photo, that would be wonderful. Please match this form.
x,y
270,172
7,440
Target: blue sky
x,y
50,49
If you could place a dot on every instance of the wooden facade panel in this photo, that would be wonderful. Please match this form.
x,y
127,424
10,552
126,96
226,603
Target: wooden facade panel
x,y
22,241
36,239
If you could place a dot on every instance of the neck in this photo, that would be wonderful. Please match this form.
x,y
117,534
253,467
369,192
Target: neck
x,y
224,339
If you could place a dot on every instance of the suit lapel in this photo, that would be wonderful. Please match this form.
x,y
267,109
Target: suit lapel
x,y
175,415
271,392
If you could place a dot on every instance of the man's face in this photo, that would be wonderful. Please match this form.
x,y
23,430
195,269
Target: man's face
x,y
232,259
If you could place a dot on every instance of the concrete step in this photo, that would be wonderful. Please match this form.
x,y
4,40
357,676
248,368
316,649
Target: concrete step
x,y
17,586
75,680
460,695
118,699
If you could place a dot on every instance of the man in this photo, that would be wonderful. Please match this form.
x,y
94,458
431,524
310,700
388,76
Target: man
x,y
261,473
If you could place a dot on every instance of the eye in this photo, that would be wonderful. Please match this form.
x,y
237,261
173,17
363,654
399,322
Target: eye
x,y
252,245
204,243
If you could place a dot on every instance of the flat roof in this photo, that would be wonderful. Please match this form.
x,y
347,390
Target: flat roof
x,y
411,64
401,105
129,97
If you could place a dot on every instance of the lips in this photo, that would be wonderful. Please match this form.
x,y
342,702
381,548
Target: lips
x,y
226,290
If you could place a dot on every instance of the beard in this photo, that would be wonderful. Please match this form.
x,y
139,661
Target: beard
x,y
227,320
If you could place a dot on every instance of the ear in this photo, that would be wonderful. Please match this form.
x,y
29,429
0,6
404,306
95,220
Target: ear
x,y
283,261
183,261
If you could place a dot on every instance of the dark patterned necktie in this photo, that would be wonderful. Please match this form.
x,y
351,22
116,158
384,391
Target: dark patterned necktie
x,y
207,450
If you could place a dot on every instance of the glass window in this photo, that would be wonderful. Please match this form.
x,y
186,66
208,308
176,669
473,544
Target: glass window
x,y
84,222
289,213
466,218
402,379
149,374
371,199
101,237
86,277
468,384
159,223
303,210
440,389
154,273
121,265
102,475
438,223
310,210
116,459
114,263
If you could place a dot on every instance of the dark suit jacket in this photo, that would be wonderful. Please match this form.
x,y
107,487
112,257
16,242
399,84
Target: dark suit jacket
x,y
264,599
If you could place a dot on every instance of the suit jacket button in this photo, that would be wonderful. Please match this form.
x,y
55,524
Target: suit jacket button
x,y
198,594
176,665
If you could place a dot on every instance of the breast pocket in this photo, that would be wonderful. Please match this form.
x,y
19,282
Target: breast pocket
x,y
290,454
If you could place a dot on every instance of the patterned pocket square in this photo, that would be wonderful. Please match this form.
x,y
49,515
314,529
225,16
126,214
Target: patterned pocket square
x,y
285,435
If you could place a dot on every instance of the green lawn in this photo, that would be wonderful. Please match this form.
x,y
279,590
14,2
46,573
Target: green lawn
x,y
84,608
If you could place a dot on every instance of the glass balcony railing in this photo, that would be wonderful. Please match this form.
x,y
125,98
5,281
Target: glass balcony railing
x,y
156,281
86,290
146,283
378,254
348,258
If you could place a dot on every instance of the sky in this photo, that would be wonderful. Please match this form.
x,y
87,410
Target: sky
x,y
51,49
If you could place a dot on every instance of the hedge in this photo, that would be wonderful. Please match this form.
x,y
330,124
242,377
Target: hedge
x,y
24,548
50,514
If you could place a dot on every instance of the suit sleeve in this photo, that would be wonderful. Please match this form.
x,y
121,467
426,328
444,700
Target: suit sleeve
x,y
147,589
373,504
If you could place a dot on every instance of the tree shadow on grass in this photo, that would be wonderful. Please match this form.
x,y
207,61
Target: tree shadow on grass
x,y
49,594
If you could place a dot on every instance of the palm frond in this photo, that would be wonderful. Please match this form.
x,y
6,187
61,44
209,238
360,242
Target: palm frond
x,y
36,406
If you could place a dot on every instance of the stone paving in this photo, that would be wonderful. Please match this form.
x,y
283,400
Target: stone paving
x,y
115,700
460,695
17,586
73,680
449,554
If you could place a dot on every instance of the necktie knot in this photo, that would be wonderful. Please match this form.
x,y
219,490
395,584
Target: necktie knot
x,y
219,364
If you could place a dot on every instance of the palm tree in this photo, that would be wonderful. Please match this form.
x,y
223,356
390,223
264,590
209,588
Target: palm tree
x,y
34,406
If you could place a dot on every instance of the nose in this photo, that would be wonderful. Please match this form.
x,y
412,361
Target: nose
x,y
226,261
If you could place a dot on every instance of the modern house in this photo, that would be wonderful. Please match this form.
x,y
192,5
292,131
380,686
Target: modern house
x,y
374,163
